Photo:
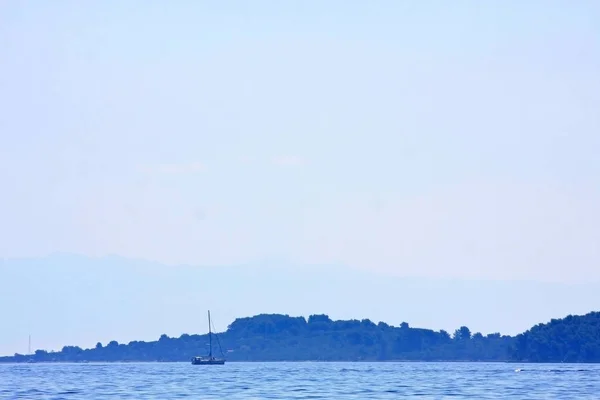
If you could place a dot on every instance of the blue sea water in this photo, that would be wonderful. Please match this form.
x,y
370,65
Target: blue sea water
x,y
303,380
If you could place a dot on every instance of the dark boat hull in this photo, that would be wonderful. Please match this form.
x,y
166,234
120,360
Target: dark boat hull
x,y
196,361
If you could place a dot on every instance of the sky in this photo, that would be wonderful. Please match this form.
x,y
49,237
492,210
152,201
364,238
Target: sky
x,y
404,138
67,299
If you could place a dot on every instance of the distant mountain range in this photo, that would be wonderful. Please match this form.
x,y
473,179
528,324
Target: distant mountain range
x,y
70,299
274,337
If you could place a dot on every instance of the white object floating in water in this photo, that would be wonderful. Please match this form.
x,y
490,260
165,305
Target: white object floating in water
x,y
518,370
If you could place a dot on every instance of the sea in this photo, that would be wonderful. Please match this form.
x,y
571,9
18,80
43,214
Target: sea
x,y
300,380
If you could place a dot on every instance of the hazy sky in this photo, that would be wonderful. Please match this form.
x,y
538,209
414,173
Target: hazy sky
x,y
73,300
426,138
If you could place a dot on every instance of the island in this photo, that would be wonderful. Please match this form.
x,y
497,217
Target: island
x,y
275,337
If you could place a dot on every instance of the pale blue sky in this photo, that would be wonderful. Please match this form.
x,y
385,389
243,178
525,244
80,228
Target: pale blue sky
x,y
411,138
80,301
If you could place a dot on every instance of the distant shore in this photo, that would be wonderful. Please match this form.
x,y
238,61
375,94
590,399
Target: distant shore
x,y
281,338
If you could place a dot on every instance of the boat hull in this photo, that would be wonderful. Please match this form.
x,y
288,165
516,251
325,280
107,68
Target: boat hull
x,y
196,361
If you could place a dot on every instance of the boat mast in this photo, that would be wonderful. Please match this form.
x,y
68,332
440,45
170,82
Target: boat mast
x,y
209,336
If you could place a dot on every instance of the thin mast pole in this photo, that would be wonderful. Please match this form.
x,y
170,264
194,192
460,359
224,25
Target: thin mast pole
x,y
209,336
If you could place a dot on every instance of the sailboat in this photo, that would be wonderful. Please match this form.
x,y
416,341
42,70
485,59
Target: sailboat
x,y
210,360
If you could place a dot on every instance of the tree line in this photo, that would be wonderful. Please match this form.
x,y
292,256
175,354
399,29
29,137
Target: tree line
x,y
275,337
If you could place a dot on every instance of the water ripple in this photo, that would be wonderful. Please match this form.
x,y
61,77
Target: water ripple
x,y
246,381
